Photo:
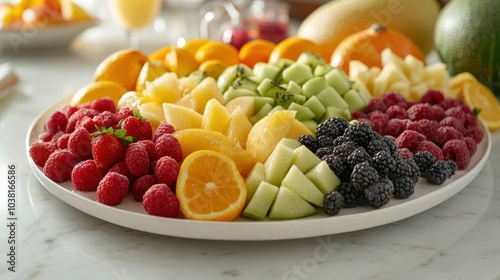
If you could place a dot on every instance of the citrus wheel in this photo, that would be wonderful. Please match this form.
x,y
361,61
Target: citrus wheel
x,y
97,90
256,51
479,96
210,188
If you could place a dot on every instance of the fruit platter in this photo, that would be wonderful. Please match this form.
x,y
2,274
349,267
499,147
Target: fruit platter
x,y
267,141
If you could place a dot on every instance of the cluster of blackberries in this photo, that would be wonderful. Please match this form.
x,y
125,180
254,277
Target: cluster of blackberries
x,y
370,166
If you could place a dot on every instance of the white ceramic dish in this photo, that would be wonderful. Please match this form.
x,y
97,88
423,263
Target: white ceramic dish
x,y
132,215
59,35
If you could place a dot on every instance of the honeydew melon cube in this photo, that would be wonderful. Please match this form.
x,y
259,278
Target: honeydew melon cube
x,y
255,176
233,93
297,182
261,201
314,86
277,164
338,81
311,125
316,107
330,97
355,101
304,159
266,70
323,177
303,112
333,111
297,72
322,69
263,111
260,101
289,205
289,142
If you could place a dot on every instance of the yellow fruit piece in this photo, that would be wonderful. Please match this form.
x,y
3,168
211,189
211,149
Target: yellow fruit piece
x,y
213,68
215,117
292,47
480,97
210,188
71,11
193,140
244,103
132,100
153,112
180,61
217,50
164,89
267,132
122,67
159,54
238,128
194,44
149,72
205,91
181,117
298,128
186,101
97,90
186,85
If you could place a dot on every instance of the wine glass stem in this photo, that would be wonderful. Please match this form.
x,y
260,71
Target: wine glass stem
x,y
134,38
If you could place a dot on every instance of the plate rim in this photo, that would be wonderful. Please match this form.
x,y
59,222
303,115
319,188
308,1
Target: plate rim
x,y
246,229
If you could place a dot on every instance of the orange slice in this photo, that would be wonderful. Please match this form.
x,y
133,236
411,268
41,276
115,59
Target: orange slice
x,y
219,51
210,188
479,96
292,47
256,51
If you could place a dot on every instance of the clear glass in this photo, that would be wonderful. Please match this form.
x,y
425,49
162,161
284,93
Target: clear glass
x,y
133,15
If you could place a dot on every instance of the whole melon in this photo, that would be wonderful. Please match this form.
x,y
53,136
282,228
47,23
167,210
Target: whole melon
x,y
467,39
331,22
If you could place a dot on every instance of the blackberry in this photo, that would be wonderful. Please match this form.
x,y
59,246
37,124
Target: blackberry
x,y
453,167
360,132
341,123
404,187
338,166
352,198
376,145
325,141
363,175
328,128
358,156
402,169
345,149
390,144
309,141
383,162
424,160
438,172
333,202
413,169
340,140
379,193
324,151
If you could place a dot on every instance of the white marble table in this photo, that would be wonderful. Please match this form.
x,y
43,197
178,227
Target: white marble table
x,y
458,239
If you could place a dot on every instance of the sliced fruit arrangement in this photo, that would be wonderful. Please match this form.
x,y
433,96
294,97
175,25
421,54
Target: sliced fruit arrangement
x,y
27,14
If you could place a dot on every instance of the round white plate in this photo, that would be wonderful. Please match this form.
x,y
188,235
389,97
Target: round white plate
x,y
131,214
59,35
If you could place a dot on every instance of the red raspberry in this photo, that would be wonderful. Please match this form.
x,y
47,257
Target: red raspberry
x,y
430,147
124,113
150,148
103,105
446,133
40,152
378,120
396,111
137,160
376,104
80,144
432,97
45,136
62,141
409,139
163,128
121,168
470,121
166,171
160,201
475,133
68,110
138,127
425,126
86,176
78,115
106,119
438,112
59,165
168,145
112,189
404,153
141,185
453,122
87,123
360,114
471,145
421,111
394,127
458,112
450,103
457,151
56,122
394,98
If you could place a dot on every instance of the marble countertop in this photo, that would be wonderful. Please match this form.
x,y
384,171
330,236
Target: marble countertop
x,y
458,239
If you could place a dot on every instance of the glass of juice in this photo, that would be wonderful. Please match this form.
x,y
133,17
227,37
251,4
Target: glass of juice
x,y
134,15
